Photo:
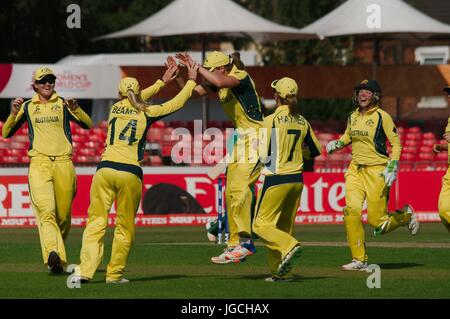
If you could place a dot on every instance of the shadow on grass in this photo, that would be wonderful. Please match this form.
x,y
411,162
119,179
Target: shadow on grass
x,y
152,278
296,278
399,265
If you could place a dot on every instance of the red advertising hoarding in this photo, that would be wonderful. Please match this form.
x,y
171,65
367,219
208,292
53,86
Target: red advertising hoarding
x,y
323,197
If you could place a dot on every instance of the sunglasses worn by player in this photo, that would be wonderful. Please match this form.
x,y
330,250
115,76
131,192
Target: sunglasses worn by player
x,y
47,79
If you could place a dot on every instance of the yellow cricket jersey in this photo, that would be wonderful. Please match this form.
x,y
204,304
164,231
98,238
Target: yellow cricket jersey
x,y
241,104
127,131
289,139
48,125
243,108
368,133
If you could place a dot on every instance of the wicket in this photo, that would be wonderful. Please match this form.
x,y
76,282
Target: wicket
x,y
222,216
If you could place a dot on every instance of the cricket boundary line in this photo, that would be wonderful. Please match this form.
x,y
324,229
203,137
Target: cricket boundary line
x,y
325,244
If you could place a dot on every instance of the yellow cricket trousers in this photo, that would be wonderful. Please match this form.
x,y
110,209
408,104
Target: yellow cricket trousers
x,y
52,186
366,183
278,202
444,200
109,184
240,178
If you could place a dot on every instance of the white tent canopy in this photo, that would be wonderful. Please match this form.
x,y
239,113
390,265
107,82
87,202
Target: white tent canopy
x,y
357,17
183,17
141,59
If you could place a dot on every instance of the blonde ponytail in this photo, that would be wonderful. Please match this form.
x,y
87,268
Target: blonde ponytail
x,y
136,101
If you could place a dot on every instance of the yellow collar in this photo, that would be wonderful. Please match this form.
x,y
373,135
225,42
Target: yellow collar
x,y
369,111
233,70
36,99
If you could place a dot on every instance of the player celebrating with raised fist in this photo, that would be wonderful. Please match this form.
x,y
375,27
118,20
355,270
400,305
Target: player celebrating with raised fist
x,y
119,175
51,178
371,172
444,196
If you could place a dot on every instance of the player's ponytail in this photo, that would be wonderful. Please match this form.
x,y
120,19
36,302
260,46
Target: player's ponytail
x,y
236,56
292,102
136,101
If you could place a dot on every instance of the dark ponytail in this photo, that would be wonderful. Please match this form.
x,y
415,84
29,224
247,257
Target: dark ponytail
x,y
292,102
236,56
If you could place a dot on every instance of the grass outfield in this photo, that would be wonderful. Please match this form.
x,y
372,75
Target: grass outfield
x,y
173,262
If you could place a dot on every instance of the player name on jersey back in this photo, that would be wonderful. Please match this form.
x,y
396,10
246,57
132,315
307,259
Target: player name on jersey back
x,y
284,119
123,110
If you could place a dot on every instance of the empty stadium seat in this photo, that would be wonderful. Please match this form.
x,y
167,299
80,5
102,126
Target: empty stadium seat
x,y
407,157
429,142
429,136
410,149
442,156
412,143
414,129
425,156
413,136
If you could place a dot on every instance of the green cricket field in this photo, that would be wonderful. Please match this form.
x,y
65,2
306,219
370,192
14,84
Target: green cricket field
x,y
174,263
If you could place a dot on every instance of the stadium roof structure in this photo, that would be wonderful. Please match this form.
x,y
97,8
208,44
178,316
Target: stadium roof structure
x,y
141,59
375,17
377,20
187,17
209,17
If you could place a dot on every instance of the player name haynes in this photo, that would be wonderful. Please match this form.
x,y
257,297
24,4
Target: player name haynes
x,y
226,309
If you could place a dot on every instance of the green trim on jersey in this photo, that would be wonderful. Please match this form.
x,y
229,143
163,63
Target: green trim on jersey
x,y
247,97
380,137
133,169
66,125
30,124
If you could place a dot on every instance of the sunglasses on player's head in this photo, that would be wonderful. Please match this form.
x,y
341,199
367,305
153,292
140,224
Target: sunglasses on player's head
x,y
47,79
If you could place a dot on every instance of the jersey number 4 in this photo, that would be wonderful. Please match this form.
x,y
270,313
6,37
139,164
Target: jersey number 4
x,y
130,125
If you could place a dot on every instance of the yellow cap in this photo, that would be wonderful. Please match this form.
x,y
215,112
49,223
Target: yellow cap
x,y
216,59
285,87
128,84
41,72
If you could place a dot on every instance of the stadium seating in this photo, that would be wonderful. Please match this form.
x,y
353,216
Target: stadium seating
x,y
88,145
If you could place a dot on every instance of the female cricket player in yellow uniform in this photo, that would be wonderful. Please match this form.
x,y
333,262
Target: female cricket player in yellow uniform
x,y
371,172
119,175
444,196
225,75
280,148
51,178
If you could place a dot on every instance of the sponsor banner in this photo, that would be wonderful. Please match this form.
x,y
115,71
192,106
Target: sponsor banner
x,y
322,202
83,82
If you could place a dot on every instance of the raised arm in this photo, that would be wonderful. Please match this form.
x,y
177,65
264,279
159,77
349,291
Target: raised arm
x,y
15,119
201,89
156,112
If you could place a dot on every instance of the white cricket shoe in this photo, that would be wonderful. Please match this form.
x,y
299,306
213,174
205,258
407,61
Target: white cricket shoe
x,y
222,258
355,265
121,281
288,261
413,224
